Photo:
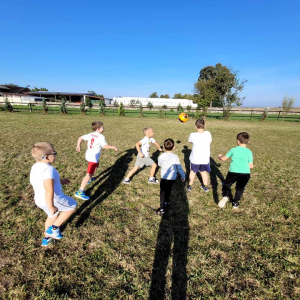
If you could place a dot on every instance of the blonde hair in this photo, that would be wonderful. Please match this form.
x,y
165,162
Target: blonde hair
x,y
146,129
39,150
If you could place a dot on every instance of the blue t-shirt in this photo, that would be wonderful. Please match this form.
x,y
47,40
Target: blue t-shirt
x,y
240,159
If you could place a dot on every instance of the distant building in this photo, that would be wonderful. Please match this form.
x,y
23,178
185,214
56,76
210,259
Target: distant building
x,y
156,101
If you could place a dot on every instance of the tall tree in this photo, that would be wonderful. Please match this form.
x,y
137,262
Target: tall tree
x,y
153,95
220,84
167,96
177,96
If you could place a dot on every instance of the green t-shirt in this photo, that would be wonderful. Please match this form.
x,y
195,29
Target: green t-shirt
x,y
240,159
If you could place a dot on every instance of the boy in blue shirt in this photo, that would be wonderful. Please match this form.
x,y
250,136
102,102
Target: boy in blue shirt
x,y
239,170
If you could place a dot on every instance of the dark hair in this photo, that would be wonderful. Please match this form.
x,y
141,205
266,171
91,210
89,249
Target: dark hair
x,y
97,125
243,138
169,144
200,123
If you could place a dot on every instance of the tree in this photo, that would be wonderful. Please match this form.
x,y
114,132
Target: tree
x,y
221,84
45,106
133,102
115,103
8,106
153,95
35,89
141,110
166,96
121,110
188,108
287,104
161,112
179,108
164,107
88,102
82,108
63,107
150,105
102,106
178,96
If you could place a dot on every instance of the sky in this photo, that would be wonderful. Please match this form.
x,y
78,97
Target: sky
x,y
133,48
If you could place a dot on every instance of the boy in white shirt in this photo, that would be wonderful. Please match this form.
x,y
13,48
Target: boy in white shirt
x,y
143,157
170,166
95,143
200,155
48,193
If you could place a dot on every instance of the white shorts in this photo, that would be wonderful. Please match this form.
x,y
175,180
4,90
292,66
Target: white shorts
x,y
65,203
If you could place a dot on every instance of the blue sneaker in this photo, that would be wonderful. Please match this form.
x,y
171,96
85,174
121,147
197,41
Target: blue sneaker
x,y
189,188
46,241
54,233
91,180
82,195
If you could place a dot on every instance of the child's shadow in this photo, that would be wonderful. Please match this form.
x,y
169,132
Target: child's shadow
x,y
214,175
110,179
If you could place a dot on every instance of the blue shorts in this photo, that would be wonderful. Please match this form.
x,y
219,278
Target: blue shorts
x,y
201,168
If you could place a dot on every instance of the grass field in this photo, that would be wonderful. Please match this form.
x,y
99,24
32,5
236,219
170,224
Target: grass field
x,y
116,247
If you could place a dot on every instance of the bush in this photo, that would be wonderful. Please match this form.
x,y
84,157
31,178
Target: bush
x,y
150,105
63,107
8,106
161,112
102,106
45,106
179,108
264,114
141,110
115,104
82,108
88,102
188,108
121,110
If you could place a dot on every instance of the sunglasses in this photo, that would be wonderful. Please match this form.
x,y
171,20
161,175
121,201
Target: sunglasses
x,y
53,153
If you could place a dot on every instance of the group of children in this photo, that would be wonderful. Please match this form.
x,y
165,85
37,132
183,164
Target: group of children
x,y
47,184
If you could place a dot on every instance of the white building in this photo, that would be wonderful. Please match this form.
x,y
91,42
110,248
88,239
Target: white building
x,y
156,101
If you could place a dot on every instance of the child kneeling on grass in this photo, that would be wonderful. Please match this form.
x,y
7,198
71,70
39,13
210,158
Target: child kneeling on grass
x,y
239,170
48,193
170,166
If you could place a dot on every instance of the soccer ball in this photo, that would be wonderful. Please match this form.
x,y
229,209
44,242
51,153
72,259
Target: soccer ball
x,y
183,117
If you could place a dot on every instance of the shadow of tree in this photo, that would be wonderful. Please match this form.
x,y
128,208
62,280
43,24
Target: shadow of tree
x,y
174,227
110,178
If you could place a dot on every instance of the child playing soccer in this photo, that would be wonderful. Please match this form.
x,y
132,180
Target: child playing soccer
x,y
170,166
200,155
143,157
48,193
95,143
239,170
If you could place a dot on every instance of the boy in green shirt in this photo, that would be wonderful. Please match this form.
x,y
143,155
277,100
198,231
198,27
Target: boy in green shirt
x,y
239,170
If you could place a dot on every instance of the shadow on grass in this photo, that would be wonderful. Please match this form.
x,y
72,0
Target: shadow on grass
x,y
214,175
111,178
174,227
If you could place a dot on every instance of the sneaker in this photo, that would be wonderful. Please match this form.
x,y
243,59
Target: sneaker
x,y
153,180
189,188
54,233
91,180
82,195
126,181
235,205
223,202
160,212
46,241
204,188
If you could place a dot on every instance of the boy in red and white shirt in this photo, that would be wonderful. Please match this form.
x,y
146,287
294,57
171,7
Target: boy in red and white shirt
x,y
95,143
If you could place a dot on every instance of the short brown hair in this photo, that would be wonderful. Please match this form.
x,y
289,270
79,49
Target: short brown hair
x,y
200,123
243,138
97,125
39,150
169,144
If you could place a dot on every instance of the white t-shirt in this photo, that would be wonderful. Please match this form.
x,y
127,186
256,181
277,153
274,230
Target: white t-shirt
x,y
39,172
146,143
200,154
95,143
170,165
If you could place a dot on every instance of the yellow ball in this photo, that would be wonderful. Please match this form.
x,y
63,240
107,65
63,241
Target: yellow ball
x,y
183,117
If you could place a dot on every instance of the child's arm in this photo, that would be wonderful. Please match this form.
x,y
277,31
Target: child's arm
x,y
49,194
158,146
251,166
107,147
138,148
223,158
78,144
181,172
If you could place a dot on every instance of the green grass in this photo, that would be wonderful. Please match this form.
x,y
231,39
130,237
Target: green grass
x,y
116,247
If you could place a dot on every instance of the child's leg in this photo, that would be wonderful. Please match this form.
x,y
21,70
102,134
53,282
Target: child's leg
x,y
62,217
163,187
49,222
153,168
85,180
231,178
240,185
204,176
192,177
132,171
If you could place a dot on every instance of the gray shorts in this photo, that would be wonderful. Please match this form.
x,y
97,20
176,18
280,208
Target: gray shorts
x,y
142,161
